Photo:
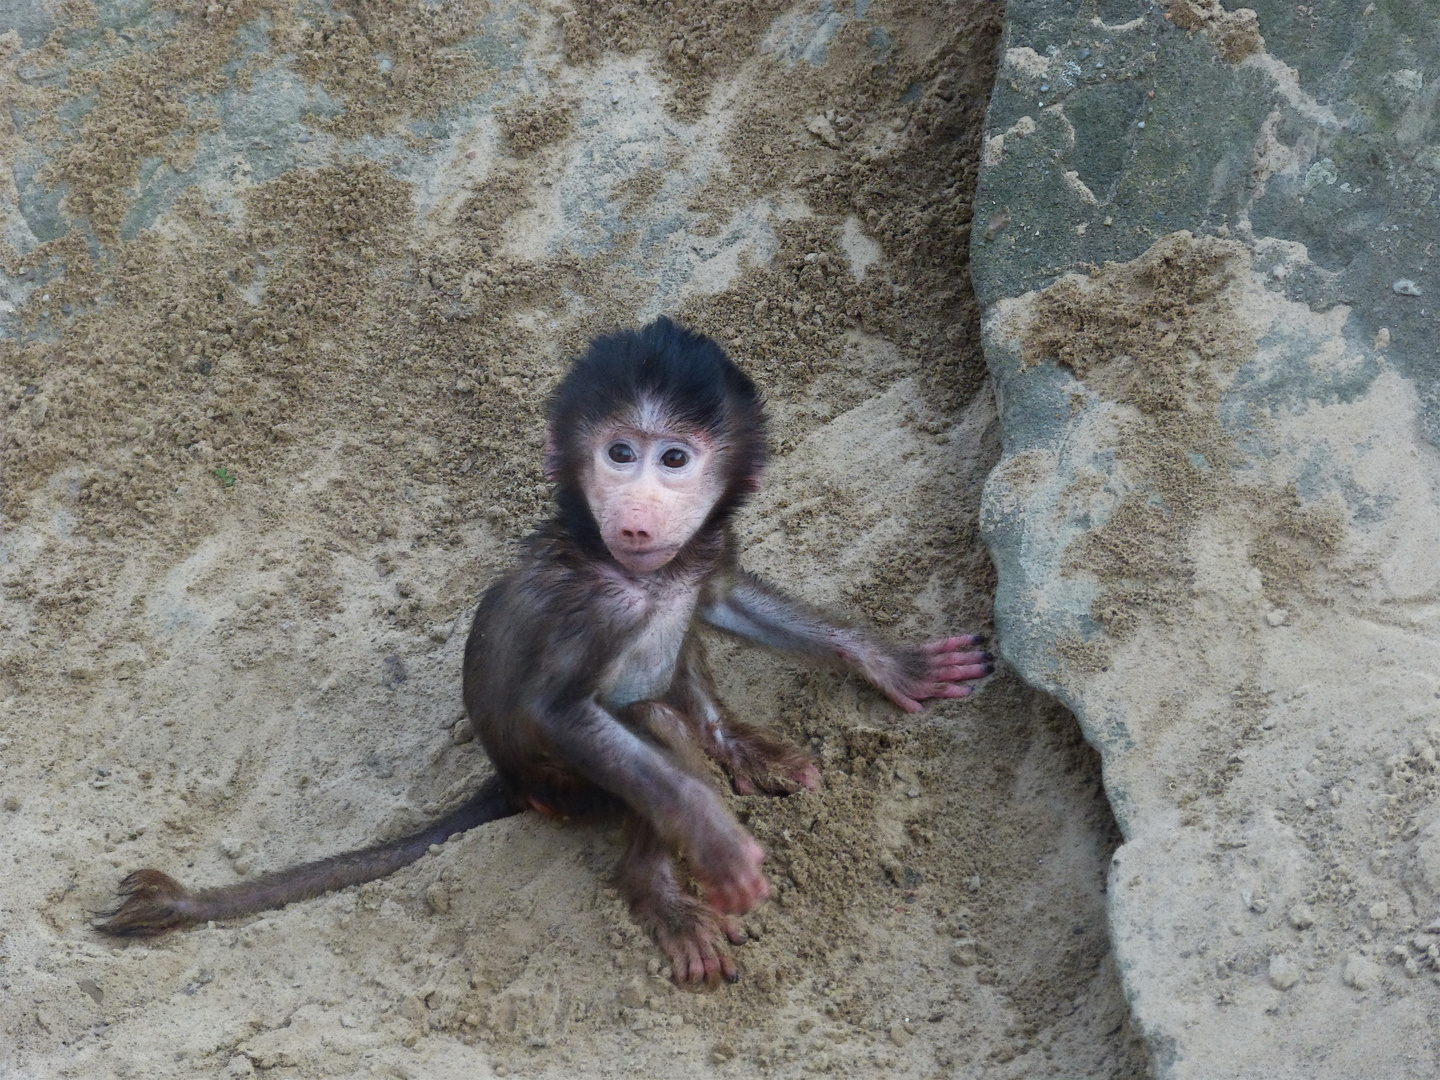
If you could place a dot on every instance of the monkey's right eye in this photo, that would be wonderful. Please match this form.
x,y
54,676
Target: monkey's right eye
x,y
622,453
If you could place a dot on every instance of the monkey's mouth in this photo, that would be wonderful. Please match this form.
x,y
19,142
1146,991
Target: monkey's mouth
x,y
644,561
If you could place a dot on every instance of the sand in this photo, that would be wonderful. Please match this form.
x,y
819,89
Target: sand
x,y
285,290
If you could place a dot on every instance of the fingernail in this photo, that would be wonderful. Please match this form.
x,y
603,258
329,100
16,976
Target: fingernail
x,y
989,669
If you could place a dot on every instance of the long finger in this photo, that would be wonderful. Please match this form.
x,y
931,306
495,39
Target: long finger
x,y
948,690
969,671
950,644
905,702
961,658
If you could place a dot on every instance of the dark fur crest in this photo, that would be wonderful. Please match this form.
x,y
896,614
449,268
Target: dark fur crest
x,y
687,372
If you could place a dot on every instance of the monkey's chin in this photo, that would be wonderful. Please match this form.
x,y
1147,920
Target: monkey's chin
x,y
644,562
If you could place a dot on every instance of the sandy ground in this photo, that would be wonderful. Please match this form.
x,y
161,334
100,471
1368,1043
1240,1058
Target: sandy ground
x,y
276,344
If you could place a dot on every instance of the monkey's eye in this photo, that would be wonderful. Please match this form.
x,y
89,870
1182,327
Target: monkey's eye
x,y
674,458
622,453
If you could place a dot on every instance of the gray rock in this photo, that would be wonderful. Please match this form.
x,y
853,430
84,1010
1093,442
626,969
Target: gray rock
x,y
1214,520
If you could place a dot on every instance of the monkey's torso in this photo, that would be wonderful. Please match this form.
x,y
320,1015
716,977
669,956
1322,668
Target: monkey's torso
x,y
564,628
644,668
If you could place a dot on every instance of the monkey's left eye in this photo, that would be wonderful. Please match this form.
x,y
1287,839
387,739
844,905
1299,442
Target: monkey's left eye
x,y
622,453
674,458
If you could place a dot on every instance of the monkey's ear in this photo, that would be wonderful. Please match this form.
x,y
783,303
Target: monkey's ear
x,y
552,455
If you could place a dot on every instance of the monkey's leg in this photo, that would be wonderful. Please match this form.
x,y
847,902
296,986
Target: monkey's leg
x,y
760,763
689,931
155,902
755,760
672,799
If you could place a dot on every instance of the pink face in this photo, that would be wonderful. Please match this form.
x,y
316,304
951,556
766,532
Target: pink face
x,y
650,492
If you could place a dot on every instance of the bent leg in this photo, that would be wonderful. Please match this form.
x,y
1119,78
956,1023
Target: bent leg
x,y
755,760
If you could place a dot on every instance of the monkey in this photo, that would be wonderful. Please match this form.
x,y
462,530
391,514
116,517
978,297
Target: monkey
x,y
584,673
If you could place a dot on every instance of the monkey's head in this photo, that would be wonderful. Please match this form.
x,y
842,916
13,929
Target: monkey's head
x,y
653,435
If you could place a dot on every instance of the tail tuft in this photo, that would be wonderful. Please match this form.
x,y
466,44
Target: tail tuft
x,y
152,904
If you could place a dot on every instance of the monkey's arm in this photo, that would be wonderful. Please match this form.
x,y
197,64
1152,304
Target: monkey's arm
x,y
681,808
749,607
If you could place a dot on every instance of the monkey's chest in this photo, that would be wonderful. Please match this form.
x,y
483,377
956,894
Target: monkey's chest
x,y
646,664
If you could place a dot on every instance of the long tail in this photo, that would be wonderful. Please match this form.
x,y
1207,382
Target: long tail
x,y
154,902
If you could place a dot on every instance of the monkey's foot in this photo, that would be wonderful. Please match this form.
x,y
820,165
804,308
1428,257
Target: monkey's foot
x,y
938,669
692,933
696,938
760,764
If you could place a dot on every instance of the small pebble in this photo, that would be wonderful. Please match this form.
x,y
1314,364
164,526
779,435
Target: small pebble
x,y
1361,973
1259,905
899,1036
1301,917
1276,617
1382,338
1405,287
964,954
1284,972
1379,910
632,996
437,897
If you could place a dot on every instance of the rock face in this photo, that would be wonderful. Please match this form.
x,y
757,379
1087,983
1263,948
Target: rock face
x,y
1205,242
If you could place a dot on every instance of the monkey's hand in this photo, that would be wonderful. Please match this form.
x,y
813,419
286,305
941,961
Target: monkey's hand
x,y
938,669
729,871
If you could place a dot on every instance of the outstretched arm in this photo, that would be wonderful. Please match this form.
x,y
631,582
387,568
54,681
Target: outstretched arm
x,y
750,608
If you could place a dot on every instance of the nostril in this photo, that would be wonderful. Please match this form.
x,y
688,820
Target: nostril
x,y
635,534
